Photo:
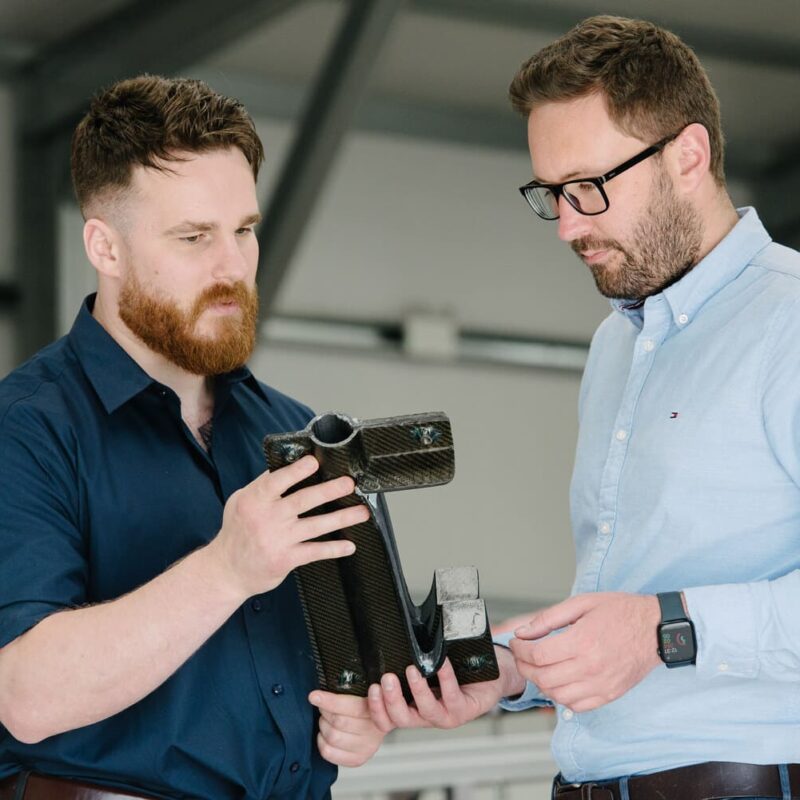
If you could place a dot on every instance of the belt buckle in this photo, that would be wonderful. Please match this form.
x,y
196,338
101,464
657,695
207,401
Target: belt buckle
x,y
585,789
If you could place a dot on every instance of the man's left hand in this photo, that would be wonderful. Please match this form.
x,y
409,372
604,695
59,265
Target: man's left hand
x,y
608,645
347,735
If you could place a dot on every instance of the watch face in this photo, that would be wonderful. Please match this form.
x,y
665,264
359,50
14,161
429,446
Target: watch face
x,y
676,641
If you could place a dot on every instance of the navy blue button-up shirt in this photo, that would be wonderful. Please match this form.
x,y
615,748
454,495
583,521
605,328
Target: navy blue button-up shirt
x,y
103,487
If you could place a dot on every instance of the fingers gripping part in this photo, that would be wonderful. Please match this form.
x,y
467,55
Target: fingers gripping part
x,y
361,620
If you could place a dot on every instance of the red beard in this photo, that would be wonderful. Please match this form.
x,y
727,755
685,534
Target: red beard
x,y
167,330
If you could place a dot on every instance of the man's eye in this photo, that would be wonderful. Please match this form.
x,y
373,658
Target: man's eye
x,y
193,239
244,231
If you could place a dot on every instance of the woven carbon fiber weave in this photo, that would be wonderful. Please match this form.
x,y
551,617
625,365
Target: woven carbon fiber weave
x,y
360,617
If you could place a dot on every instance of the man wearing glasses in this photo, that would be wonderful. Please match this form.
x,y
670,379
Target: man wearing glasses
x,y
674,667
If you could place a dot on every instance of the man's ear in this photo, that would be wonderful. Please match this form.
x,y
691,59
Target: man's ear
x,y
692,156
103,245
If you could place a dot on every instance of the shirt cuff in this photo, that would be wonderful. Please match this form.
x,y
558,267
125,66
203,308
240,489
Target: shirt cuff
x,y
531,697
726,629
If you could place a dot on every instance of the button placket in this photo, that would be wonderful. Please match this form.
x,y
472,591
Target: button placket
x,y
657,321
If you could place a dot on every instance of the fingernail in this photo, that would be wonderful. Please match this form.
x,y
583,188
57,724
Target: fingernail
x,y
374,691
412,673
526,627
313,698
387,683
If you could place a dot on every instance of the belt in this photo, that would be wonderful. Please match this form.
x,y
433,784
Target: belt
x,y
713,779
25,786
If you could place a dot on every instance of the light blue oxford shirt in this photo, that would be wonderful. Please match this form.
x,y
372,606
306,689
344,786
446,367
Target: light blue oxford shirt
x,y
687,477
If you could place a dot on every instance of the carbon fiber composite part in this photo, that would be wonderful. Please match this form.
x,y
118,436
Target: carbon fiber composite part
x,y
360,617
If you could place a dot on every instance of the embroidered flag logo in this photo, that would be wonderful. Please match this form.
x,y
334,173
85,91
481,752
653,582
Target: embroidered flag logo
x,y
673,415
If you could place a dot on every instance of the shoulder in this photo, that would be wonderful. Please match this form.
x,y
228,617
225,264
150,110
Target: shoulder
x,y
780,266
39,388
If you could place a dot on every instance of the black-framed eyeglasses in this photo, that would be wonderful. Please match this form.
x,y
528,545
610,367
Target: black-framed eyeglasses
x,y
585,195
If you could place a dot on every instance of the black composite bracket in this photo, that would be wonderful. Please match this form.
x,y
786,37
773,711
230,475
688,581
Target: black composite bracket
x,y
360,617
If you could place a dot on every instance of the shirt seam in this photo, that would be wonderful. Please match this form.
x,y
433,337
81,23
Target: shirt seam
x,y
16,401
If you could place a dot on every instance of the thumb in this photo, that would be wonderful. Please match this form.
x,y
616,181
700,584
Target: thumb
x,y
558,616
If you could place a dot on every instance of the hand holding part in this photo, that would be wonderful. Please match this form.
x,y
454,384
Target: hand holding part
x,y
264,535
347,734
455,704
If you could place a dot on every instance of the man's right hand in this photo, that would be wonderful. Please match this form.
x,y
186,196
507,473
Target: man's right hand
x,y
455,704
45,685
263,536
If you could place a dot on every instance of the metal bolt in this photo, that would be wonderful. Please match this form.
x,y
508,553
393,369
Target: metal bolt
x,y
474,663
347,678
426,434
291,451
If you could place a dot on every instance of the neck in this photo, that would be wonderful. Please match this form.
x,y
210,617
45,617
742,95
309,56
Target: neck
x,y
718,221
195,391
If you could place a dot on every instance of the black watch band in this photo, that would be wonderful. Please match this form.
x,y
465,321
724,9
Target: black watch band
x,y
671,606
676,639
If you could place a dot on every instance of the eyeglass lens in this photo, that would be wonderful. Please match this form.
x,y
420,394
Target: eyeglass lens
x,y
583,196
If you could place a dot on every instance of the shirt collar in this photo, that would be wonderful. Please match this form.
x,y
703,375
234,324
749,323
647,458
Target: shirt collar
x,y
713,272
115,376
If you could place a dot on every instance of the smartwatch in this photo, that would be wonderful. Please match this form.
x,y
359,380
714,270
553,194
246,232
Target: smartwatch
x,y
676,641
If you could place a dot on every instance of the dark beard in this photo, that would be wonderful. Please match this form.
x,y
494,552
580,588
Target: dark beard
x,y
668,238
167,330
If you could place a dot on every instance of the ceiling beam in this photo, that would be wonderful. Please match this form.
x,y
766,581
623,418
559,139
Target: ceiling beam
x,y
340,86
504,130
144,36
267,98
731,45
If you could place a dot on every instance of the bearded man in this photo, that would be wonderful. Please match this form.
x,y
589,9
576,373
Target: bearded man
x,y
674,666
150,645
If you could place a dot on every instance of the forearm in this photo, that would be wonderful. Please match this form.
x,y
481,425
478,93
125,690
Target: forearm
x,y
512,683
80,666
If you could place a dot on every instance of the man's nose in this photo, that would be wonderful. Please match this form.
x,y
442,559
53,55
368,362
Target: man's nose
x,y
231,262
571,223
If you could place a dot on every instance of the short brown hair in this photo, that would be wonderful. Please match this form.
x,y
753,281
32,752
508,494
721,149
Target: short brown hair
x,y
653,83
146,121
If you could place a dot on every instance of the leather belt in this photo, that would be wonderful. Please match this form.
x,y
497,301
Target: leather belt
x,y
41,787
707,781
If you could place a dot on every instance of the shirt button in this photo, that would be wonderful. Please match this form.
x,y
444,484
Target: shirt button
x,y
567,714
255,605
649,345
723,667
683,319
277,689
621,435
294,767
605,527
